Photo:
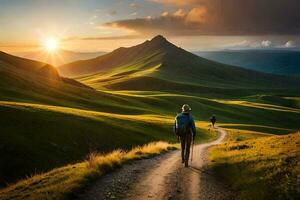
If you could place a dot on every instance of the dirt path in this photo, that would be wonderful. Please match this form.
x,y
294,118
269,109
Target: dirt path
x,y
163,177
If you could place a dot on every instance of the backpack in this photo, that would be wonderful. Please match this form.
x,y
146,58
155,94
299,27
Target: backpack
x,y
182,125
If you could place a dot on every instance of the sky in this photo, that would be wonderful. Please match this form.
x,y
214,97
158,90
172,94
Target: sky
x,y
196,25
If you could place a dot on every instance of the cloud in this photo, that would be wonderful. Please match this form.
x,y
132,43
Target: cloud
x,y
266,43
242,44
254,44
226,17
179,13
164,14
177,23
290,44
196,15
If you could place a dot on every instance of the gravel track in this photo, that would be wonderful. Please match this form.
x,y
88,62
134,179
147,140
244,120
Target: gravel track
x,y
163,177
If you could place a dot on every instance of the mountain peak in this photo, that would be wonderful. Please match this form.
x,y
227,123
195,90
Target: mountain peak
x,y
159,38
160,41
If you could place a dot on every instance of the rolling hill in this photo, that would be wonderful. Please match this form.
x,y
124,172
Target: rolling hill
x,y
159,62
283,62
47,121
11,63
28,79
259,166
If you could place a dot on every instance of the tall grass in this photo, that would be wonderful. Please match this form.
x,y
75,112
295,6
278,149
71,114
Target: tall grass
x,y
66,182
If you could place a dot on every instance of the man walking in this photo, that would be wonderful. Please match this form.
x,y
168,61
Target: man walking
x,y
186,130
213,120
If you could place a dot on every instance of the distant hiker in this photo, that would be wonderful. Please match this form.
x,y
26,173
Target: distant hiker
x,y
185,129
213,121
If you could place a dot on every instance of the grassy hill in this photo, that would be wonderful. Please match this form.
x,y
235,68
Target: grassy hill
x,y
36,137
14,64
283,62
48,121
121,57
260,167
161,63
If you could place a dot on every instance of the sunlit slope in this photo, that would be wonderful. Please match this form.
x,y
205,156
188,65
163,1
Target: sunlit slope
x,y
145,55
249,112
48,136
270,165
24,80
238,109
14,63
128,68
121,74
36,137
40,137
14,70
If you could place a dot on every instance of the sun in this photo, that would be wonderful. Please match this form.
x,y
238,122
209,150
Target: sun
x,y
51,44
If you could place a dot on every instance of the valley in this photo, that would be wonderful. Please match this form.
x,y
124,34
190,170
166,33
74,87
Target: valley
x,y
54,116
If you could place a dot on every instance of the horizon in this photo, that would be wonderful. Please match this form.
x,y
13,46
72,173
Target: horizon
x,y
43,48
107,25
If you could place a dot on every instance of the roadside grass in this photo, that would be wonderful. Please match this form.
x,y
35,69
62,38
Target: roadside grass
x,y
36,138
43,136
66,182
259,167
65,134
257,128
45,126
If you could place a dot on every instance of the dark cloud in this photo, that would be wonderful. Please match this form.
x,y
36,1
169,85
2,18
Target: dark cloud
x,y
221,17
177,23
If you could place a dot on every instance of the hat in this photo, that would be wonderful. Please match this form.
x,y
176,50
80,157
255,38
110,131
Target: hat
x,y
186,108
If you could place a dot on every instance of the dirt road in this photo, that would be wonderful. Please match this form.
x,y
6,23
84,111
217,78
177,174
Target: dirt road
x,y
163,177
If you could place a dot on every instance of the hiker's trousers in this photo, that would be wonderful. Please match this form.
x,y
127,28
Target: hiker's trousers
x,y
186,141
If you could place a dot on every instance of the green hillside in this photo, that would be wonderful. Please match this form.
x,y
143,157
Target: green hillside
x,y
49,121
11,63
36,137
130,98
168,64
260,167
